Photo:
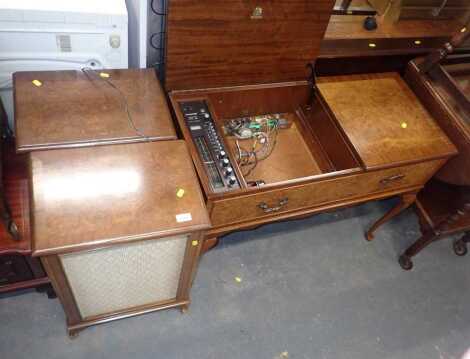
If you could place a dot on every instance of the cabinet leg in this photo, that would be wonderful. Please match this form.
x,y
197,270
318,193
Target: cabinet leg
x,y
209,243
406,200
73,333
184,308
405,259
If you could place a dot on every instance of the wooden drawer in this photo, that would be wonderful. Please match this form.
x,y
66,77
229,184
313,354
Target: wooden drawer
x,y
269,203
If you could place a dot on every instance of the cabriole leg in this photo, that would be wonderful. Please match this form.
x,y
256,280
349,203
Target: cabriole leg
x,y
406,200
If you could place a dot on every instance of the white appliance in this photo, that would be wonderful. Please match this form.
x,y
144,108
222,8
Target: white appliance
x,y
138,14
59,35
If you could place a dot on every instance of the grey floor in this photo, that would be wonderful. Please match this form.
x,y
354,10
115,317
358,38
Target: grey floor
x,y
311,288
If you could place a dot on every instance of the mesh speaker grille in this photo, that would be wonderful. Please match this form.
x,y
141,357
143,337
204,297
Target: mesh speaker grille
x,y
125,276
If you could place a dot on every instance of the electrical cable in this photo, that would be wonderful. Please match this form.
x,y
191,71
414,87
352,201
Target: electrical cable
x,y
85,70
264,140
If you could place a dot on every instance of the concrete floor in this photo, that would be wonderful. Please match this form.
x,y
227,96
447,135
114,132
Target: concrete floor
x,y
310,288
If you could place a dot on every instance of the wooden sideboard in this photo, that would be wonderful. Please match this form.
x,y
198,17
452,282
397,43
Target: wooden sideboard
x,y
352,138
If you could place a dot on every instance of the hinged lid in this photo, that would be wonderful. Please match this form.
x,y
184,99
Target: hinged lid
x,y
384,120
57,109
96,196
213,43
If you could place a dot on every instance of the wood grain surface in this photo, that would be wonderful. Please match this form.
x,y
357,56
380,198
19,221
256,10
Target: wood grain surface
x,y
74,108
384,120
213,43
88,197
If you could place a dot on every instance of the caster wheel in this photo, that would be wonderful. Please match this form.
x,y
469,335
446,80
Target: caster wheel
x,y
13,230
460,247
405,262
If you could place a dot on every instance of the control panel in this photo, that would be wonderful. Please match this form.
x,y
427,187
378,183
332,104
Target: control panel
x,y
211,149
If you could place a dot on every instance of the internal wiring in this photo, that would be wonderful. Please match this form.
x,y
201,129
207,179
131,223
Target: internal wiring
x,y
261,131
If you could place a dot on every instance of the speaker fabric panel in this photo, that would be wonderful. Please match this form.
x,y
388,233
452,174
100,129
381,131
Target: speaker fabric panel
x,y
125,276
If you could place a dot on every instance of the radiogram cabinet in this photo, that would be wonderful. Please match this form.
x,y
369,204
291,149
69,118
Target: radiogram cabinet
x,y
269,139
118,228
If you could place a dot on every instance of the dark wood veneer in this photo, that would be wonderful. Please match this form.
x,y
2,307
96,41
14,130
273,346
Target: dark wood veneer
x,y
220,43
81,108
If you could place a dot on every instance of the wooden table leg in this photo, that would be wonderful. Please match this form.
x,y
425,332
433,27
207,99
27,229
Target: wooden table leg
x,y
406,200
209,243
432,235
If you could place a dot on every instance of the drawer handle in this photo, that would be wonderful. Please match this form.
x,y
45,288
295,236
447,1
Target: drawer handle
x,y
390,179
266,209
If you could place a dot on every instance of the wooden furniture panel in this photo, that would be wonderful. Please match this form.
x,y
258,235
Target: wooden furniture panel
x,y
351,27
20,270
346,37
451,116
407,132
294,198
443,207
211,43
109,192
378,46
82,108
394,10
126,213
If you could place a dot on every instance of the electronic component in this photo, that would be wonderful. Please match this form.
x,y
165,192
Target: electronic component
x,y
255,138
211,149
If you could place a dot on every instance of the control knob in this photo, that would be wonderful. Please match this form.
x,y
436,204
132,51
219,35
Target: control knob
x,y
232,180
225,162
222,154
228,171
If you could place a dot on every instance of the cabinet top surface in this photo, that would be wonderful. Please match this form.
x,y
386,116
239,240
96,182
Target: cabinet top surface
x,y
55,109
213,43
88,197
384,120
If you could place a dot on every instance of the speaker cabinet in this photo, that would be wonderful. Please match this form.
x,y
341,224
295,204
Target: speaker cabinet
x,y
118,228
126,276
115,282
